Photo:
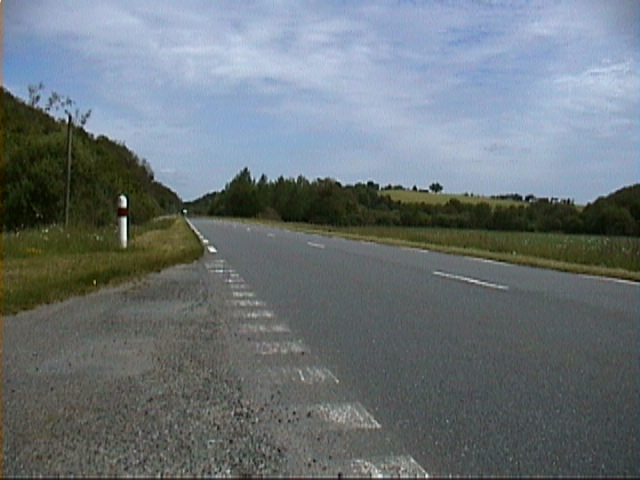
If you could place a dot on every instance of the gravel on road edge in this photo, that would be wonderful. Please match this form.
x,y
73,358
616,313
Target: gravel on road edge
x,y
130,381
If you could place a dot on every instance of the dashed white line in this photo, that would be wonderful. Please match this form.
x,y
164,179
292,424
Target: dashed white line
x,y
245,294
306,375
344,415
316,245
247,303
262,328
279,348
473,281
611,279
402,466
253,314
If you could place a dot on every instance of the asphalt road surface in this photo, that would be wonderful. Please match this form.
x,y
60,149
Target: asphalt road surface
x,y
469,367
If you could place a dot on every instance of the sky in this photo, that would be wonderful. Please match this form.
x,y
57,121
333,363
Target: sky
x,y
485,97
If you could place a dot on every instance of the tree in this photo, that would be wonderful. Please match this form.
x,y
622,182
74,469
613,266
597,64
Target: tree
x,y
241,195
435,187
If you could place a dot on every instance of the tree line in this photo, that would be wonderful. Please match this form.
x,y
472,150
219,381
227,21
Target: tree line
x,y
327,201
33,170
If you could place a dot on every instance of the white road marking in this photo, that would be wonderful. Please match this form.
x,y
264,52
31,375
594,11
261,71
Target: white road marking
x,y
611,279
306,375
237,294
254,314
238,286
402,466
233,280
473,281
247,303
316,245
491,262
279,348
212,249
344,415
262,328
270,235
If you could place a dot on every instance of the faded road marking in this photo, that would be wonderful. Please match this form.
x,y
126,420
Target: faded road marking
x,y
254,314
262,328
279,348
307,375
344,415
316,245
402,466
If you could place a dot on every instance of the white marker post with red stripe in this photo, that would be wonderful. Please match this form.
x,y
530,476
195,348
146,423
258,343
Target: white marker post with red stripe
x,y
123,212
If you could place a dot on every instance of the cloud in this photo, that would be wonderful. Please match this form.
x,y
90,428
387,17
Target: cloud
x,y
400,91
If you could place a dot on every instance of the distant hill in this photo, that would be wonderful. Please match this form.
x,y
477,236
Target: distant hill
x,y
34,173
618,213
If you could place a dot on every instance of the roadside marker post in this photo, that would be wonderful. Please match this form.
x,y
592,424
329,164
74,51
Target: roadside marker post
x,y
123,212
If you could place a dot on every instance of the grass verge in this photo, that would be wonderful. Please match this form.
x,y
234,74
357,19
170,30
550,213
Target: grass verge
x,y
615,257
44,266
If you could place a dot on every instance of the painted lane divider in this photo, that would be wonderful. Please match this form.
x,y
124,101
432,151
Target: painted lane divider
x,y
316,245
473,281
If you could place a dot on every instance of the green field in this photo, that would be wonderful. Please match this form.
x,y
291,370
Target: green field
x,y
410,196
50,264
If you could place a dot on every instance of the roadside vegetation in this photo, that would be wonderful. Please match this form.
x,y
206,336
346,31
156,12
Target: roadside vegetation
x,y
327,202
34,169
50,264
601,238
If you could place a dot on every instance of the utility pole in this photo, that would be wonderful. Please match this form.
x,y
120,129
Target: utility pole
x,y
68,191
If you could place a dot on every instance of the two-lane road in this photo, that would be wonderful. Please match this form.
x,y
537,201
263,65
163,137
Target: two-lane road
x,y
481,368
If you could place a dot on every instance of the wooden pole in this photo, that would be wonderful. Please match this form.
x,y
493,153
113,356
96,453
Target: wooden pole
x,y
68,190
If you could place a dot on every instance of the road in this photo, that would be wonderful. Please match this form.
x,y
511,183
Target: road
x,y
474,367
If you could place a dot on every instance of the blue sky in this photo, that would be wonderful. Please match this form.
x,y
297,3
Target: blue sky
x,y
486,97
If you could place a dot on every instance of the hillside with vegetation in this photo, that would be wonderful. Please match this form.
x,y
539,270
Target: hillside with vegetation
x,y
34,170
326,201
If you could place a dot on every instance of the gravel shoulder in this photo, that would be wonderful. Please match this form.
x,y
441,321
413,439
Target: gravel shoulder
x,y
131,381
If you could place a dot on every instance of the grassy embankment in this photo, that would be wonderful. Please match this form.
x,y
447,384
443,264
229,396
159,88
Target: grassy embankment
x,y
616,257
43,266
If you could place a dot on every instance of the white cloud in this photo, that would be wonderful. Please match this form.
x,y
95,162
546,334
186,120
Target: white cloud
x,y
420,88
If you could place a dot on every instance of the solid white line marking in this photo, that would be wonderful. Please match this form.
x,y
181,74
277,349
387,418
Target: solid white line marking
x,y
402,466
473,281
345,415
316,245
279,348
